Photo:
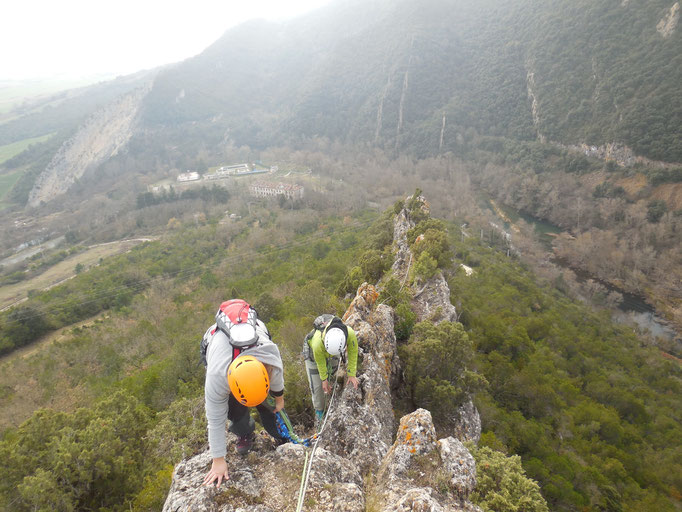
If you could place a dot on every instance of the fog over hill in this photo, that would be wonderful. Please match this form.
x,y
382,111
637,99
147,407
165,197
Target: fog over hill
x,y
418,77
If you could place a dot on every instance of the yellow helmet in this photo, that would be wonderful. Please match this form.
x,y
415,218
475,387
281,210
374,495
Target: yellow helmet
x,y
248,380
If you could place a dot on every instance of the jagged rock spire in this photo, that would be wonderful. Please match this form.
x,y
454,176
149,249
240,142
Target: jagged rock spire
x,y
431,299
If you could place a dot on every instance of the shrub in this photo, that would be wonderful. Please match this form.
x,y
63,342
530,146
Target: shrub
x,y
437,361
426,266
655,210
502,484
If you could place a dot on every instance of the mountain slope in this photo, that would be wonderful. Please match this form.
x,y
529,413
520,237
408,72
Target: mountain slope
x,y
418,75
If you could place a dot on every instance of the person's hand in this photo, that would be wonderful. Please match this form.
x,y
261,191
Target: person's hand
x,y
279,403
326,387
218,471
354,381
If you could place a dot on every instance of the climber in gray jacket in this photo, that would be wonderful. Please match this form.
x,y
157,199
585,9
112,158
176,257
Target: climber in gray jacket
x,y
243,366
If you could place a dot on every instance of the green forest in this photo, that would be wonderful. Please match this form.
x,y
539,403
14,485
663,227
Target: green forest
x,y
600,72
593,414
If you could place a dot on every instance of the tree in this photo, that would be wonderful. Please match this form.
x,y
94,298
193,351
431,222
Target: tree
x,y
655,210
438,362
502,484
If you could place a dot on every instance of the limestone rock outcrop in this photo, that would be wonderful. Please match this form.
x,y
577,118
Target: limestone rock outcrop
x,y
267,480
666,27
102,136
423,473
431,299
360,425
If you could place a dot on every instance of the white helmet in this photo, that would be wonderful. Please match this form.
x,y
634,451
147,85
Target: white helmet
x,y
334,341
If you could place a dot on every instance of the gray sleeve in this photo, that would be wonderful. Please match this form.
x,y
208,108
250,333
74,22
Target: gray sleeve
x,y
276,379
216,395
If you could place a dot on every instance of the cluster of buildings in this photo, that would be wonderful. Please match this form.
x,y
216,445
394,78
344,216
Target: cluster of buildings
x,y
257,189
224,171
266,189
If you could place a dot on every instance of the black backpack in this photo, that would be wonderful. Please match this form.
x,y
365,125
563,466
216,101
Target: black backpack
x,y
322,323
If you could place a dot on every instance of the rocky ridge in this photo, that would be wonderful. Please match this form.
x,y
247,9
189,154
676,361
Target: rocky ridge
x,y
618,153
102,136
357,465
431,301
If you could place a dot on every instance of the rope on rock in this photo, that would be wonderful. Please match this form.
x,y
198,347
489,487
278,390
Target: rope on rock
x,y
308,467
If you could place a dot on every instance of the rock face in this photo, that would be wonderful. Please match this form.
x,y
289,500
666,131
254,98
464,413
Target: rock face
x,y
615,152
403,256
431,301
423,473
102,136
357,465
267,480
360,423
467,423
667,25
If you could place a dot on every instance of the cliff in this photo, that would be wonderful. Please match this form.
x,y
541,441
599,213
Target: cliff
x,y
364,459
101,137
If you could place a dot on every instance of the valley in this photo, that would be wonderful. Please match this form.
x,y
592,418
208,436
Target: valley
x,y
520,160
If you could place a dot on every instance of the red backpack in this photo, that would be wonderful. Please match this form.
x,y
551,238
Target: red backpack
x,y
237,319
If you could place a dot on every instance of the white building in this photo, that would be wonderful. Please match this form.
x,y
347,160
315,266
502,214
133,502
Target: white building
x,y
188,176
231,170
264,189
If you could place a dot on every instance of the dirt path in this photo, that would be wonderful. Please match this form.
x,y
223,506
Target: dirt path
x,y
64,270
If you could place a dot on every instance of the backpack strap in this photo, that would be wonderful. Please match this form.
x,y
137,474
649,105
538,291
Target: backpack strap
x,y
236,351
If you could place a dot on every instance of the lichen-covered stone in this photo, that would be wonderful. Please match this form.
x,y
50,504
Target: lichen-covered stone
x,y
459,464
467,423
422,473
432,301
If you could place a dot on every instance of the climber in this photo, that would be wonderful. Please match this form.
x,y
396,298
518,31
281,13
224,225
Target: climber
x,y
329,341
243,366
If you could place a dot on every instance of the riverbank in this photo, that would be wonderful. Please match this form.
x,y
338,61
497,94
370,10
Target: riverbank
x,y
648,314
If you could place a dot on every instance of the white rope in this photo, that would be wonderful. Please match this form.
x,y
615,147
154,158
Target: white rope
x,y
307,469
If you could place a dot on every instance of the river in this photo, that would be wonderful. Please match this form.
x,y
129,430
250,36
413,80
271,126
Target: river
x,y
633,308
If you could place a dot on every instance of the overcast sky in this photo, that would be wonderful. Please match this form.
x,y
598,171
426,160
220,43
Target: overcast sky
x,y
43,38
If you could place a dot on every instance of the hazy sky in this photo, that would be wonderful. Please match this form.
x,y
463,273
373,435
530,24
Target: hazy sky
x,y
40,38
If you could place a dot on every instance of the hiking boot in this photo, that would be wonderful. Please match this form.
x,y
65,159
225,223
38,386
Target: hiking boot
x,y
244,444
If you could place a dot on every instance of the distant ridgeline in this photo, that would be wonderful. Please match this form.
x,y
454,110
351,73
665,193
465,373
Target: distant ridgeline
x,y
429,76
418,76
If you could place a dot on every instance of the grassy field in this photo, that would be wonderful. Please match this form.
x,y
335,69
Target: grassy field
x,y
61,271
9,150
7,181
